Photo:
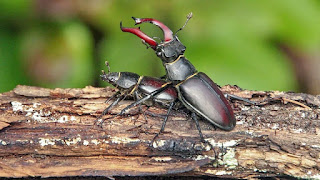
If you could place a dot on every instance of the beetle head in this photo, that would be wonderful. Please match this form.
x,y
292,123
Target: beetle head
x,y
122,80
111,78
170,48
170,51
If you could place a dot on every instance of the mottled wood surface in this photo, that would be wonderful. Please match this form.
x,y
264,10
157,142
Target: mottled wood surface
x,y
51,132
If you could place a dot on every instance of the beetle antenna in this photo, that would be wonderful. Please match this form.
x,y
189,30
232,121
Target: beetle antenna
x,y
189,16
107,64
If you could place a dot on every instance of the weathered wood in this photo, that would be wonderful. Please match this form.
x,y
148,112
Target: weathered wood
x,y
48,133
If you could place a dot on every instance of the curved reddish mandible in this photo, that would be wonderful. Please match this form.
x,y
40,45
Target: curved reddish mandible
x,y
168,35
140,34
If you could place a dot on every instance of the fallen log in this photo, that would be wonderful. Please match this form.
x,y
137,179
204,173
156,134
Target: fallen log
x,y
52,133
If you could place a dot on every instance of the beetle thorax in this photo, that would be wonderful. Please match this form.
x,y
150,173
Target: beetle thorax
x,y
180,69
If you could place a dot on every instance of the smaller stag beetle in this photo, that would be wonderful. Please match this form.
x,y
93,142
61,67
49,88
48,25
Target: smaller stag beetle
x,y
131,84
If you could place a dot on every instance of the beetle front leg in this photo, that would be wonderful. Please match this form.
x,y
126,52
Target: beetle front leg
x,y
113,96
114,103
154,93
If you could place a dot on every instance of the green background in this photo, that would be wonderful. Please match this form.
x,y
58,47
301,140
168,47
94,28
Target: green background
x,y
65,43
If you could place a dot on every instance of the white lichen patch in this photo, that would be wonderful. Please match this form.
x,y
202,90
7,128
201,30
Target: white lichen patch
x,y
65,119
240,122
229,159
24,141
105,141
245,108
201,157
85,142
36,105
3,143
251,133
300,130
72,141
123,140
315,146
16,106
95,141
275,126
158,143
311,175
40,115
231,143
218,172
162,159
47,141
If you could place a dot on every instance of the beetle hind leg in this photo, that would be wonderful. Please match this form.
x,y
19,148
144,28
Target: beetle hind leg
x,y
231,96
195,118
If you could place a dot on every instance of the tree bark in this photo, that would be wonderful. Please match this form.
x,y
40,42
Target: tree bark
x,y
52,133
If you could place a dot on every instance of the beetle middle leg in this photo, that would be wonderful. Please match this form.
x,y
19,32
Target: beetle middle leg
x,y
154,93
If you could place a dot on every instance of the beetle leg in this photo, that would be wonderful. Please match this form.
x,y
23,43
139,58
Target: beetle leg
x,y
239,98
113,96
194,117
154,93
141,111
164,121
144,113
114,103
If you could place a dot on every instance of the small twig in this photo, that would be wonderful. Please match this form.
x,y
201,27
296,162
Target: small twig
x,y
296,102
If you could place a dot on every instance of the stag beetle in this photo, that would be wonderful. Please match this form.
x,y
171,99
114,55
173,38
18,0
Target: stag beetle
x,y
140,87
131,84
196,90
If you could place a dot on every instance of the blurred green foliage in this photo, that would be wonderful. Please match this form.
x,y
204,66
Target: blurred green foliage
x,y
65,43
